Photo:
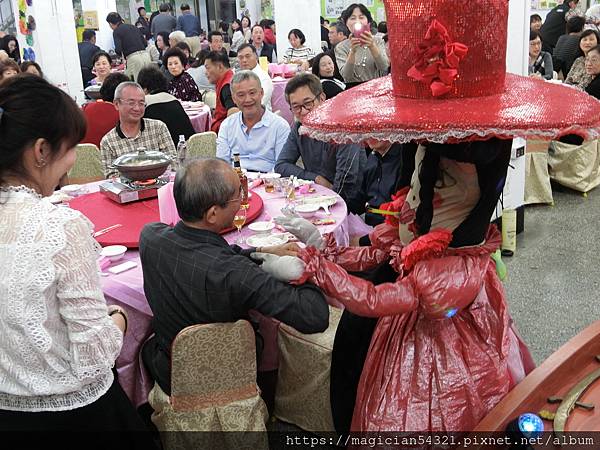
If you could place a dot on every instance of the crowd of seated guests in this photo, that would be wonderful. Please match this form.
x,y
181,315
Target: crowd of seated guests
x,y
578,76
567,47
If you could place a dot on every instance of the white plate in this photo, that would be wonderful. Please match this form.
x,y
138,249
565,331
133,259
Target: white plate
x,y
261,227
270,176
113,252
59,197
266,241
71,188
328,200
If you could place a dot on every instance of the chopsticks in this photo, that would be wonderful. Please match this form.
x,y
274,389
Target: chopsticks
x,y
106,230
383,212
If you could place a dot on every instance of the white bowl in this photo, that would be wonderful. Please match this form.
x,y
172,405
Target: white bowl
x,y
261,227
307,210
71,189
113,252
270,175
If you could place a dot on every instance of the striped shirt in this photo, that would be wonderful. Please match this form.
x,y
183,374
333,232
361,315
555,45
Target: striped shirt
x,y
153,135
303,53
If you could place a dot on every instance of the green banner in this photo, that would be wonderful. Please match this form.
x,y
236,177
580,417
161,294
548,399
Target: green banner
x,y
332,9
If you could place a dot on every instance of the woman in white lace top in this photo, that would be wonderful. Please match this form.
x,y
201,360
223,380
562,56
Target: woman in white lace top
x,y
58,338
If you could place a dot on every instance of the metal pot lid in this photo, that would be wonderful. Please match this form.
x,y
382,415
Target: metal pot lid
x,y
142,157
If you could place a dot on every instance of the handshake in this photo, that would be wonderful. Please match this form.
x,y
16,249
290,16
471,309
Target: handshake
x,y
288,268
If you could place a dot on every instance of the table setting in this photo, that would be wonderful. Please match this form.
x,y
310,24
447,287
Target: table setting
x,y
117,226
199,114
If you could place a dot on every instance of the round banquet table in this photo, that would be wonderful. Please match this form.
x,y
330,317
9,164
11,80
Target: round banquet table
x,y
200,116
126,290
103,213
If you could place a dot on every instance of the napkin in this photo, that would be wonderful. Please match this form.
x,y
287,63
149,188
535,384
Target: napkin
x,y
166,205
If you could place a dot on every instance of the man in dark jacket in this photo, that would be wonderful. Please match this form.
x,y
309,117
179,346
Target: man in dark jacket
x,y
87,50
381,179
262,48
555,25
192,276
187,22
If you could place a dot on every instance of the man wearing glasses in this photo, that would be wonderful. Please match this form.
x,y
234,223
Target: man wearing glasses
x,y
192,276
132,130
335,166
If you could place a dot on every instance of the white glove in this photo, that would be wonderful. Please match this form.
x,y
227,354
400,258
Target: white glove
x,y
284,268
304,230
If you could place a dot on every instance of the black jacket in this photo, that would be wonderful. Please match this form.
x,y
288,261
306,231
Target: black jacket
x,y
193,276
168,109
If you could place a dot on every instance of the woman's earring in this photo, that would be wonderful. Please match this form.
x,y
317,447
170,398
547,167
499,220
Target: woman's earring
x,y
41,163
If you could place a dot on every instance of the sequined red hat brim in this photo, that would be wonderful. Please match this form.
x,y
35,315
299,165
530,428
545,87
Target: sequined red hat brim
x,y
528,108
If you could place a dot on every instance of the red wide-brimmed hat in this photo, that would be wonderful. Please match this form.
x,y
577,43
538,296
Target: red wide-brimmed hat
x,y
448,83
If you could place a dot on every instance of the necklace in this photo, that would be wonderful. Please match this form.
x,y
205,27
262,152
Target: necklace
x,y
363,62
21,188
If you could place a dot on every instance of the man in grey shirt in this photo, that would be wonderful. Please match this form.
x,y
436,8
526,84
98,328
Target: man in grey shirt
x,y
163,21
337,167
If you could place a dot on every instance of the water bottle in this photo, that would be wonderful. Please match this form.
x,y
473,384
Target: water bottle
x,y
181,150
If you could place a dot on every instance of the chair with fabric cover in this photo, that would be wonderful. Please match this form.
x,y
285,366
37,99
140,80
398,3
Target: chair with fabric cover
x,y
202,145
88,165
302,396
213,389
575,166
209,97
537,179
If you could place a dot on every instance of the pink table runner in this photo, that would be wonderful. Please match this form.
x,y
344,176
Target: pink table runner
x,y
278,101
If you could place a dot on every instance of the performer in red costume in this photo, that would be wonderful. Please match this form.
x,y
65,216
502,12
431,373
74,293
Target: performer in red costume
x,y
444,350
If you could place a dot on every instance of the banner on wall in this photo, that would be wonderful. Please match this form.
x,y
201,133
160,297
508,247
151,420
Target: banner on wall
x,y
544,4
332,9
90,20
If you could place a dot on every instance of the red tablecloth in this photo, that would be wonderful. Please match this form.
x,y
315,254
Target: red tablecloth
x,y
103,213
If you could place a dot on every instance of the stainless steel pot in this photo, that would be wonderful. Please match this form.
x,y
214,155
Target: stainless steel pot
x,y
142,164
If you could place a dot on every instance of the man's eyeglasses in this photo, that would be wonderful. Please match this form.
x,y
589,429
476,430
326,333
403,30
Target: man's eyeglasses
x,y
132,103
238,198
307,105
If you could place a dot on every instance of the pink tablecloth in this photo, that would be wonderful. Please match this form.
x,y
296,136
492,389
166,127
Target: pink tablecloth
x,y
127,290
200,119
278,101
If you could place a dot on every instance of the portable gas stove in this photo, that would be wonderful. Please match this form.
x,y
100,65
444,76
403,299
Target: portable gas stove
x,y
123,190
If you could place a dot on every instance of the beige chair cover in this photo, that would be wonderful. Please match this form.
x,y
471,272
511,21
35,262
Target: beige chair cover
x,y
213,389
202,145
575,166
88,165
537,179
302,396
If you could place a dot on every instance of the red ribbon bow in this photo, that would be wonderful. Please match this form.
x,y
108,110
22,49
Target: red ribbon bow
x,y
438,60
